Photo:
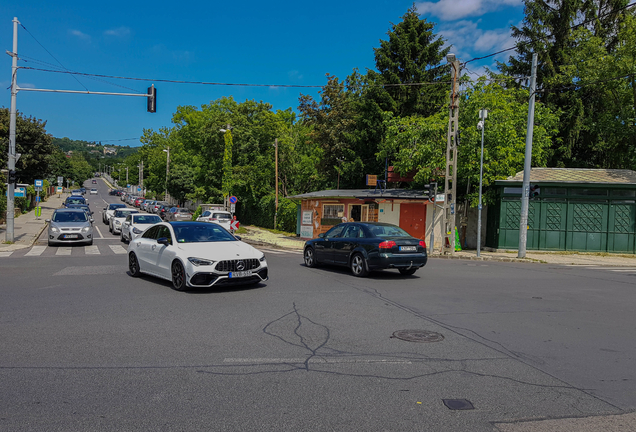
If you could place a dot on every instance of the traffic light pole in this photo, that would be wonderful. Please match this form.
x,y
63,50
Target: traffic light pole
x,y
152,105
527,166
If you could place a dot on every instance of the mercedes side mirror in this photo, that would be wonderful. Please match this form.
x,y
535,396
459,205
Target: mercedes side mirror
x,y
163,240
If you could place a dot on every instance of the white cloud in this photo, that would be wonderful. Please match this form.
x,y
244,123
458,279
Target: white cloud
x,y
26,85
120,32
80,35
456,9
468,40
294,75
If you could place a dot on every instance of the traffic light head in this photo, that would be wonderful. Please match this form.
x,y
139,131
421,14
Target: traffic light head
x,y
13,178
534,191
152,99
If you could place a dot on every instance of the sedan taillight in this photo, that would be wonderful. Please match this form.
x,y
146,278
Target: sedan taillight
x,y
389,244
423,244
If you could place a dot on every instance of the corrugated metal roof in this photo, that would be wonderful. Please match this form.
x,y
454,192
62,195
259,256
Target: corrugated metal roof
x,y
577,175
366,194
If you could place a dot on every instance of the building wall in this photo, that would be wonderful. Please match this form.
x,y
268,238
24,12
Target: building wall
x,y
435,227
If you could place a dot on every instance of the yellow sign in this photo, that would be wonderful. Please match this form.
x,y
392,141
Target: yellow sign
x,y
372,180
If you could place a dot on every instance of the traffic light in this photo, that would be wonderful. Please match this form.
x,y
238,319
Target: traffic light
x,y
534,191
152,99
13,178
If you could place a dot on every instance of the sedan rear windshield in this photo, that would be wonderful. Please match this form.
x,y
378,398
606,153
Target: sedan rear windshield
x,y
70,217
388,231
75,201
116,206
221,216
202,233
184,211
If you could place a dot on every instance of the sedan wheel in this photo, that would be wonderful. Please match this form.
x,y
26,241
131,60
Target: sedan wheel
x,y
407,272
359,266
178,276
310,259
133,265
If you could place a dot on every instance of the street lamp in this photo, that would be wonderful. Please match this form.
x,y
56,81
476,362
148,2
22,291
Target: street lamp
x,y
165,197
227,164
481,126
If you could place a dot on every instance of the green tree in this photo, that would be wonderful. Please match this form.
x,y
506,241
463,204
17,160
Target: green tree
x,y
412,54
31,141
559,31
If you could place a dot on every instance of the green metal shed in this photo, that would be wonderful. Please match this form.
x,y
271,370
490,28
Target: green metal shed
x,y
576,209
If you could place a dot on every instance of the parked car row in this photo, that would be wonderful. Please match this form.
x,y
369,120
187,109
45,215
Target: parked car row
x,y
162,209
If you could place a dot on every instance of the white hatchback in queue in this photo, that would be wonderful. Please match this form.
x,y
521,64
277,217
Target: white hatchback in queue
x,y
135,224
195,254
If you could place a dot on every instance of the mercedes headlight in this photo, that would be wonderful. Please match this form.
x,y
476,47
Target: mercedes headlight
x,y
261,259
137,230
200,261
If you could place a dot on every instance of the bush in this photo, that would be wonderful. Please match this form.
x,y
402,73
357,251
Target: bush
x,y
197,213
22,203
261,213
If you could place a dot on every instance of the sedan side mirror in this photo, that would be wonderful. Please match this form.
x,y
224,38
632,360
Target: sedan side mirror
x,y
47,220
91,220
321,235
163,240
238,237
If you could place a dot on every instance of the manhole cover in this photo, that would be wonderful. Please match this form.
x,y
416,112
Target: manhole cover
x,y
418,336
458,404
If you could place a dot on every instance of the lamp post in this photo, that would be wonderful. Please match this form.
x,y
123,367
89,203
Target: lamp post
x,y
227,164
276,159
165,197
481,125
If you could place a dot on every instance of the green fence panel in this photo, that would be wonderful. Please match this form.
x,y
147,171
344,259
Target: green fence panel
x,y
620,237
587,226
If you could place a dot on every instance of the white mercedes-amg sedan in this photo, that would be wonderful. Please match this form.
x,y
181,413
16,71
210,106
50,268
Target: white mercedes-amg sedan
x,y
195,255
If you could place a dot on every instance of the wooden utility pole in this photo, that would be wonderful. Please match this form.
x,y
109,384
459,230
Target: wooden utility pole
x,y
450,181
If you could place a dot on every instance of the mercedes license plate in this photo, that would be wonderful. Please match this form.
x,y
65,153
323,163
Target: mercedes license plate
x,y
408,248
70,236
240,274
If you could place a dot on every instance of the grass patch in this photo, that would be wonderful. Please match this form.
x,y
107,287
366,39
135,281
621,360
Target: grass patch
x,y
241,230
275,231
7,242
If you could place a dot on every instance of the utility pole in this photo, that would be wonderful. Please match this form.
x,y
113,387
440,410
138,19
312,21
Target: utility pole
x,y
12,117
276,159
165,195
527,166
126,176
450,181
482,114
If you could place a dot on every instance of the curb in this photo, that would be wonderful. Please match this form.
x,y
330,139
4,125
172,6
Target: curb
x,y
496,259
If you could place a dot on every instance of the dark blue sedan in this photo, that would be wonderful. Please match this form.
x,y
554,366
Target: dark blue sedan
x,y
367,246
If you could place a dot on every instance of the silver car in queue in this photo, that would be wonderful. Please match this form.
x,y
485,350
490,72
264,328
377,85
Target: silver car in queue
x,y
70,226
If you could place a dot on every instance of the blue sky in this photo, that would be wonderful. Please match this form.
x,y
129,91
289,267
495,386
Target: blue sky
x,y
276,42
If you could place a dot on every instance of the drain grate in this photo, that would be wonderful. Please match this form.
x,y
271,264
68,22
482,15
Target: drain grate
x,y
418,336
458,404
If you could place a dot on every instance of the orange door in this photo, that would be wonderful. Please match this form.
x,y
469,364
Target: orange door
x,y
413,219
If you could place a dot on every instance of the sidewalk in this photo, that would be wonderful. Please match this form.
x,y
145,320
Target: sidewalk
x,y
27,228
261,237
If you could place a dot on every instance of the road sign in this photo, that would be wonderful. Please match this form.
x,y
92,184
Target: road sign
x,y
233,199
232,208
60,180
138,189
37,199
234,225
39,183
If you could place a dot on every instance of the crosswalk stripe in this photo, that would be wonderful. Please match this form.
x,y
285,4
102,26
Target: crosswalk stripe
x,y
118,249
63,251
91,250
6,253
36,251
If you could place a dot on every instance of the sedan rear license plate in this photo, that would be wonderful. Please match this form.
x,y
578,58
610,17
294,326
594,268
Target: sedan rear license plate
x,y
70,236
240,274
408,248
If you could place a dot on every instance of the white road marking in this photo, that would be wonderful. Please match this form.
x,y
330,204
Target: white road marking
x,y
91,250
622,270
6,253
99,232
118,249
36,251
64,251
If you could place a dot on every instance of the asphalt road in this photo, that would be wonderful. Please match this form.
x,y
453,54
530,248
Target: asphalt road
x,y
87,347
